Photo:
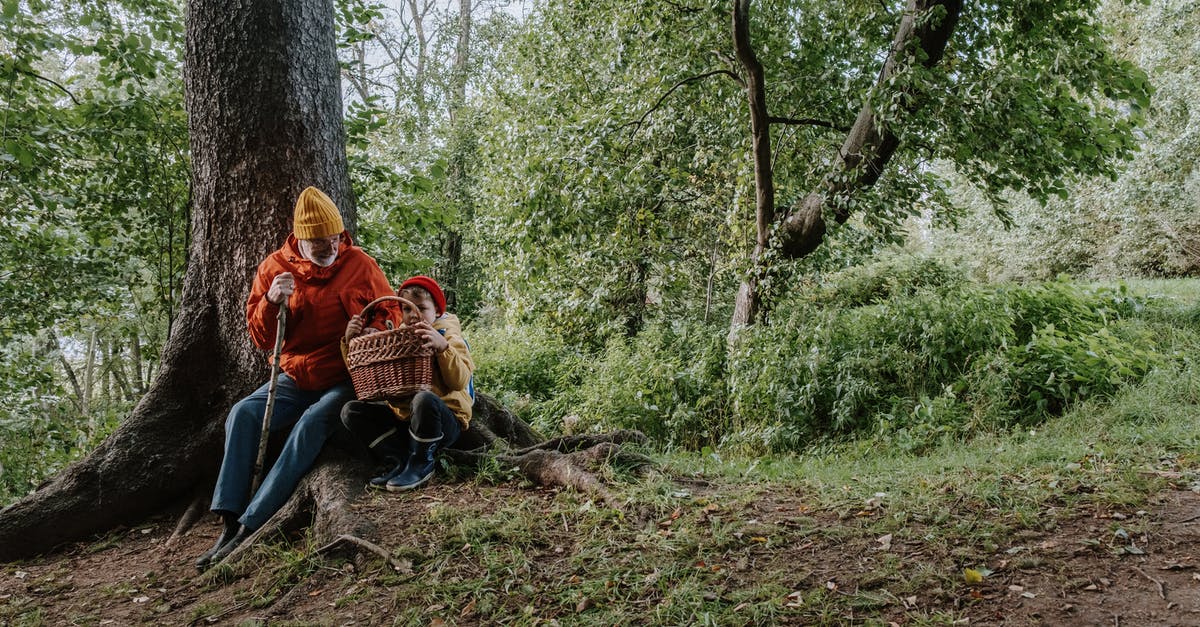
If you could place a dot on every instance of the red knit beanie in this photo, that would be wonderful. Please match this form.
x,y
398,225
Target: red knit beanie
x,y
431,286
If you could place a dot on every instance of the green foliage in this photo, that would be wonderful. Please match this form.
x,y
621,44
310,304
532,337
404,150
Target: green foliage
x,y
523,365
95,193
617,175
944,360
888,276
1142,221
41,427
666,382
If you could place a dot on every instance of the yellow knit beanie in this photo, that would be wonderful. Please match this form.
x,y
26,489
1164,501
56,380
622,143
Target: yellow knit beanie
x,y
315,215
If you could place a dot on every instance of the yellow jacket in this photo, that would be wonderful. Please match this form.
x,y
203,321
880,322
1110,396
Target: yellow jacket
x,y
451,374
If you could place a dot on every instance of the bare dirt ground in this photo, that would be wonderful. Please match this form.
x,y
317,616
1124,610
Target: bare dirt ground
x,y
1089,567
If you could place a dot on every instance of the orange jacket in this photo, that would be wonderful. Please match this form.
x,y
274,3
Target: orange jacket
x,y
318,309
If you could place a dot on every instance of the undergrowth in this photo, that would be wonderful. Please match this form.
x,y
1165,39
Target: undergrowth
x,y
908,351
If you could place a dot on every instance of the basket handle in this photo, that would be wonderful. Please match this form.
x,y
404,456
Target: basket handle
x,y
405,305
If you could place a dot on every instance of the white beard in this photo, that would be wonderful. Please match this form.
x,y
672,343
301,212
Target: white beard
x,y
324,262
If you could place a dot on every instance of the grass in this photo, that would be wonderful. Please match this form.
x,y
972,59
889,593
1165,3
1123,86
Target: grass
x,y
698,541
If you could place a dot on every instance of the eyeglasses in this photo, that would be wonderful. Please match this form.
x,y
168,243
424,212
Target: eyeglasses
x,y
332,240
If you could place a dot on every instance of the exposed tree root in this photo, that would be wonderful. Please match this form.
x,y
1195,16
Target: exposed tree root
x,y
321,502
567,461
323,499
194,512
366,545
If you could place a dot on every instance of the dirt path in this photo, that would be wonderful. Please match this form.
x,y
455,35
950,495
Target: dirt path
x,y
1091,568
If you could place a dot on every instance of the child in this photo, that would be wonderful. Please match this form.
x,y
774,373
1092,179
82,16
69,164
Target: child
x,y
406,434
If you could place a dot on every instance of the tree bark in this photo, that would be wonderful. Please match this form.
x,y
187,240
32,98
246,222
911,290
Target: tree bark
x,y
458,182
265,121
861,159
747,305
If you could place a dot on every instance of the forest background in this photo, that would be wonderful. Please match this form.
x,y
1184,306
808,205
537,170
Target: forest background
x,y
579,175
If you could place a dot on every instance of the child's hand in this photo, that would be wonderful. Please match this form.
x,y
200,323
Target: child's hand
x,y
354,328
430,337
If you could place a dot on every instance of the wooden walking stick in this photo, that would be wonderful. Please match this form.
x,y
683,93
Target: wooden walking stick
x,y
280,325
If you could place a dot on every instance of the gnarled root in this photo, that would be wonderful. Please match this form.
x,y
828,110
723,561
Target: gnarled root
x,y
322,502
568,461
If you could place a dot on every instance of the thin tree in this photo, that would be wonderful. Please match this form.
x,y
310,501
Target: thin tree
x,y
866,151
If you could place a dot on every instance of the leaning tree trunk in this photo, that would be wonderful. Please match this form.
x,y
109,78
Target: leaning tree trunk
x,y
864,154
265,120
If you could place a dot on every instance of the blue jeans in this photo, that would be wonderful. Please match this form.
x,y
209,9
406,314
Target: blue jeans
x,y
311,416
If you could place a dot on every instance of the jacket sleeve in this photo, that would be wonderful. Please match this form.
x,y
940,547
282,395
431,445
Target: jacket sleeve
x,y
371,285
455,362
261,313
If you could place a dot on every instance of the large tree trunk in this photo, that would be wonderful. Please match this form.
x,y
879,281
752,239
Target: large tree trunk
x,y
265,120
862,157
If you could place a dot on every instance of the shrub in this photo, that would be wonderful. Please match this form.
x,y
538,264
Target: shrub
x,y
929,362
1055,368
890,276
523,366
667,382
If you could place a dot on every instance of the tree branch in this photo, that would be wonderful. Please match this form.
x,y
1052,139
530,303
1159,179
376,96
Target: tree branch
x,y
806,122
691,79
48,80
747,303
869,145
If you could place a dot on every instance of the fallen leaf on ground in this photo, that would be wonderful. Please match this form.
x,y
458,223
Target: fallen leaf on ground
x,y
972,576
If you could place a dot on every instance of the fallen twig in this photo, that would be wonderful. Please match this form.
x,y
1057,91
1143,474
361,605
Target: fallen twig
x,y
212,618
1162,589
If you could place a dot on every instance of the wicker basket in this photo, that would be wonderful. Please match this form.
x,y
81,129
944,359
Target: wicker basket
x,y
390,364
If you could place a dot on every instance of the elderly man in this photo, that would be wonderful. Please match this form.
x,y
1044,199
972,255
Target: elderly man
x,y
324,279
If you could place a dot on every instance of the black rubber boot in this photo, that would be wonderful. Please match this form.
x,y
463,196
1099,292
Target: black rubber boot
x,y
233,543
231,528
380,482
